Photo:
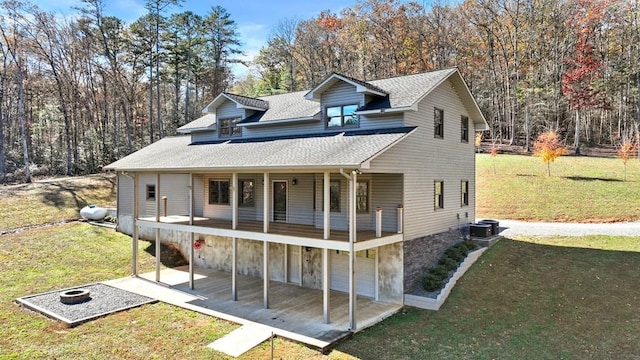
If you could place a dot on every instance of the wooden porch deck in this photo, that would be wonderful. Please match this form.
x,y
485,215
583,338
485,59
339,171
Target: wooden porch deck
x,y
279,228
294,312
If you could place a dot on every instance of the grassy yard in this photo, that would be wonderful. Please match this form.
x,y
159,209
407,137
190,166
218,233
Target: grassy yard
x,y
53,201
580,189
553,298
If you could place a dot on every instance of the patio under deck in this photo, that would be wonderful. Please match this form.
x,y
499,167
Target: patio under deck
x,y
295,312
275,228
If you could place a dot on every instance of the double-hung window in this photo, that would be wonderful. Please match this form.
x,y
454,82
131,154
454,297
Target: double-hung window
x,y
438,123
246,193
151,192
438,191
219,192
464,193
464,129
362,197
342,116
228,127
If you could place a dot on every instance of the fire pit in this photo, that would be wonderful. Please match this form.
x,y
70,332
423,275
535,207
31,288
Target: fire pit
x,y
75,296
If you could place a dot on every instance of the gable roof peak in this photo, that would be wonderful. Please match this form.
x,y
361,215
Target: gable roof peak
x,y
246,101
361,86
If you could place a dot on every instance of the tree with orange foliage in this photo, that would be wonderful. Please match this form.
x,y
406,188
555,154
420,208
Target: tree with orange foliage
x,y
548,147
494,153
626,150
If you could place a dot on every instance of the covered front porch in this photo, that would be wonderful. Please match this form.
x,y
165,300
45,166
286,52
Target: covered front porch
x,y
329,216
295,312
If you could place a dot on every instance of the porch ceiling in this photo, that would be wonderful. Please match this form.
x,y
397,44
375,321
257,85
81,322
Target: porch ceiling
x,y
285,233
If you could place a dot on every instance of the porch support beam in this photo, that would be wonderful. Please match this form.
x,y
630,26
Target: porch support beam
x,y
134,237
265,205
234,201
326,285
193,235
265,273
326,205
157,194
234,268
352,254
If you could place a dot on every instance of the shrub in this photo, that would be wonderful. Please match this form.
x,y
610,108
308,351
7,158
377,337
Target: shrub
x,y
455,253
448,263
432,282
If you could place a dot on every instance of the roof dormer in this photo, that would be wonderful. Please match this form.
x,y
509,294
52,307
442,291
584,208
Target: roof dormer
x,y
361,87
242,102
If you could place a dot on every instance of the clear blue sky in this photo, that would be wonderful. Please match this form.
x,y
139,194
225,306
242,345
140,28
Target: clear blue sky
x,y
255,18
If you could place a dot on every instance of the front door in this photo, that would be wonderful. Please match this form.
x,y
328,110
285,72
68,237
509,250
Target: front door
x,y
280,201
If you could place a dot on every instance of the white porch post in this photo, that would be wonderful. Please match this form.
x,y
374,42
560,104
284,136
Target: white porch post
x,y
157,230
352,254
134,237
234,201
265,251
192,237
326,205
265,272
234,241
326,263
265,205
234,268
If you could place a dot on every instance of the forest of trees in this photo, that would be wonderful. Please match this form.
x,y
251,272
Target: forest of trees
x,y
79,92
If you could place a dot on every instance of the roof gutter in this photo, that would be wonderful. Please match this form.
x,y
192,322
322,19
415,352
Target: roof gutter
x,y
385,111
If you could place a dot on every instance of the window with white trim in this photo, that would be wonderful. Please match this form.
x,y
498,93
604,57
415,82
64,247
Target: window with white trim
x,y
246,193
228,127
219,192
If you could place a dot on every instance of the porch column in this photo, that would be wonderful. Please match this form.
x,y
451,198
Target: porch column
x,y
265,272
234,268
352,254
134,237
326,263
157,231
234,240
265,205
326,205
326,285
234,201
192,236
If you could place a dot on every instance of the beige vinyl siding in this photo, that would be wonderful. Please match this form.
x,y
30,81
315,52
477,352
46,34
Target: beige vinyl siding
x,y
125,195
339,219
216,211
386,193
176,188
198,195
314,127
424,159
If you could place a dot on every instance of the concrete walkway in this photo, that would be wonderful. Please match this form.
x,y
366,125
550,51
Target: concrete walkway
x,y
514,228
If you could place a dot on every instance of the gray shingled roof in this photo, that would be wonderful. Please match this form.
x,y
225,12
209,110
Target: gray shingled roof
x,y
338,150
406,90
289,106
368,85
203,122
248,101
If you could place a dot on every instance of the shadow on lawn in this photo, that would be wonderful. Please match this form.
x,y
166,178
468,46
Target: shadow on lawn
x,y
54,193
170,255
587,178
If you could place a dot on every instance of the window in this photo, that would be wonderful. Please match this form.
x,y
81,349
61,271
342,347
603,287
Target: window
x,y
245,194
362,197
219,192
151,192
464,193
438,123
334,195
464,129
342,116
228,127
438,190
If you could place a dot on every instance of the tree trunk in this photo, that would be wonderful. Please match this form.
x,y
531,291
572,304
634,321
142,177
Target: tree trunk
x,y
576,138
23,124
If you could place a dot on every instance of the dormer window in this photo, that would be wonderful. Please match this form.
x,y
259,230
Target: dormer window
x,y
342,116
228,127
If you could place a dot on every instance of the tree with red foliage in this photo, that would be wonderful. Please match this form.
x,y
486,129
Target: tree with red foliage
x,y
579,82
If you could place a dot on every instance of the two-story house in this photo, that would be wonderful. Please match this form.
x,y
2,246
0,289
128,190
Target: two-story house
x,y
352,186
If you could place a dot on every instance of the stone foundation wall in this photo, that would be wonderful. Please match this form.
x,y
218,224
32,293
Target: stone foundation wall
x,y
422,253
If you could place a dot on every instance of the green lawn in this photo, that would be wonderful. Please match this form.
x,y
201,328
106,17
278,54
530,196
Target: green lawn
x,y
53,201
526,300
580,189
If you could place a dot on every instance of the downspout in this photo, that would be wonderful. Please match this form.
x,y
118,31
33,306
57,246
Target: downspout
x,y
352,239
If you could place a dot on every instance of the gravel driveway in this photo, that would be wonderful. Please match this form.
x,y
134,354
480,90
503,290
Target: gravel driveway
x,y
513,227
